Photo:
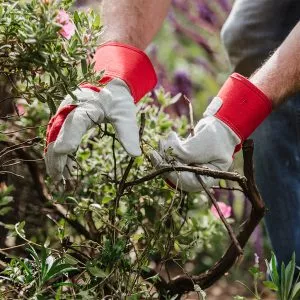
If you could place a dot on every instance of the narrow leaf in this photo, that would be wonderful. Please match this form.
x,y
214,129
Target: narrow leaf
x,y
295,295
289,275
270,285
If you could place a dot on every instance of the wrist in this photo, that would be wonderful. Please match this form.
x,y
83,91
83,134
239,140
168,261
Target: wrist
x,y
262,85
121,38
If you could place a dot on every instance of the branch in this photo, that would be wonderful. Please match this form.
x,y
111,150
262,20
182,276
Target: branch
x,y
215,204
184,283
196,170
122,185
42,189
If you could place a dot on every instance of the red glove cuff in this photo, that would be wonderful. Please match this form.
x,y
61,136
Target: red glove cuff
x,y
244,105
129,64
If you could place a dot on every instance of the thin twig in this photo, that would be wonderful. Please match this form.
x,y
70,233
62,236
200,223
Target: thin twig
x,y
233,189
12,147
41,188
11,173
215,203
122,185
210,196
114,158
192,128
13,247
22,129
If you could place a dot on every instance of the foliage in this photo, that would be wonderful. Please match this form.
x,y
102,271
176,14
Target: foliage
x,y
33,275
36,60
127,224
5,198
282,280
127,227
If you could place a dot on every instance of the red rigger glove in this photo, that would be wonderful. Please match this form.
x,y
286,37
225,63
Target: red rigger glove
x,y
128,76
230,118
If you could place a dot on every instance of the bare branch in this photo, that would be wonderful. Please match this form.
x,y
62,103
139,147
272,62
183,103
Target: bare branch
x,y
196,170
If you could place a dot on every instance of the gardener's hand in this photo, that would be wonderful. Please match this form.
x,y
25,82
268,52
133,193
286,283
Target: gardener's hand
x,y
128,76
230,118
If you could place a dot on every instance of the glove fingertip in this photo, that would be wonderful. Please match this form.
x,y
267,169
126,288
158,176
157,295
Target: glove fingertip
x,y
131,145
134,152
172,135
55,163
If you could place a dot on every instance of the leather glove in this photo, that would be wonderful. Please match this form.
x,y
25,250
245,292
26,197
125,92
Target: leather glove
x,y
230,118
128,76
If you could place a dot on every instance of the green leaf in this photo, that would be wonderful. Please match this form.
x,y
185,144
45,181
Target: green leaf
x,y
33,253
40,97
76,17
289,275
270,285
45,265
254,270
295,295
283,282
30,41
51,105
19,228
58,293
5,210
97,21
59,270
96,271
5,200
272,268
27,270
106,199
84,67
63,284
69,259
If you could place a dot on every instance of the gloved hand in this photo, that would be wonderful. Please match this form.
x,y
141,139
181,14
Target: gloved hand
x,y
128,76
231,117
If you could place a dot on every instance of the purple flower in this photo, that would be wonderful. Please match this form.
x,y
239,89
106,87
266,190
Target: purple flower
x,y
182,83
206,13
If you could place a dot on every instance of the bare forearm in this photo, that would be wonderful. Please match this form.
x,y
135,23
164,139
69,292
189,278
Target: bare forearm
x,y
133,22
279,77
